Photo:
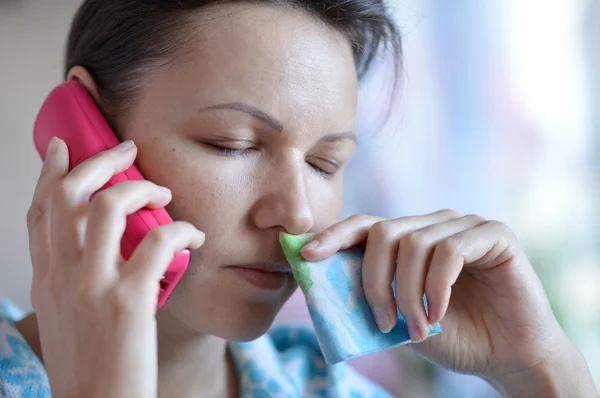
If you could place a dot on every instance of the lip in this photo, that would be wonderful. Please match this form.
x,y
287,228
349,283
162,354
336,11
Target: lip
x,y
267,267
267,276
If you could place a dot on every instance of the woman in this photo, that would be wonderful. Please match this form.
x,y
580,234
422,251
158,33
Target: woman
x,y
246,112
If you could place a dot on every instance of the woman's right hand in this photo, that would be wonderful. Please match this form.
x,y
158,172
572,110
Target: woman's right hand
x,y
96,312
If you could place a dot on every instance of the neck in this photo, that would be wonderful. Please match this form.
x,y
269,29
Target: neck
x,y
189,364
192,364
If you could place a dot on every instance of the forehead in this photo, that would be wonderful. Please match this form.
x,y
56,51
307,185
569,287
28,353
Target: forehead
x,y
284,61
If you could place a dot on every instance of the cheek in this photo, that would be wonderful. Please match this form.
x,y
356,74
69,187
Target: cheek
x,y
326,203
204,193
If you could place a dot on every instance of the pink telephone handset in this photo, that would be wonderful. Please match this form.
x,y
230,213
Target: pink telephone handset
x,y
71,114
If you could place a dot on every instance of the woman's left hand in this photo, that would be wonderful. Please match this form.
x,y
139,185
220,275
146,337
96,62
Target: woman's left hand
x,y
480,286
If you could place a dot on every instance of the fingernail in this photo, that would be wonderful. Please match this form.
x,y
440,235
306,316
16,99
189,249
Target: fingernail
x,y
382,319
52,147
416,332
125,146
312,245
198,242
166,191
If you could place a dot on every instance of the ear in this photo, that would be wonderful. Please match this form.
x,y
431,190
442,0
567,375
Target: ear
x,y
83,76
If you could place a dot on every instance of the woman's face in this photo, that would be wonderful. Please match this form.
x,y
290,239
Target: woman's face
x,y
250,129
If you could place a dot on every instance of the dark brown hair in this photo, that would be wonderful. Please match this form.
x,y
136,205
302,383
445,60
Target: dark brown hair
x,y
118,41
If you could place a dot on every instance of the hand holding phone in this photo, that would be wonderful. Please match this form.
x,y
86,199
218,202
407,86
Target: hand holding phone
x,y
95,289
70,114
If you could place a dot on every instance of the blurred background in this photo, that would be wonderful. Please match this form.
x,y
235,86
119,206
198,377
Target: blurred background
x,y
498,116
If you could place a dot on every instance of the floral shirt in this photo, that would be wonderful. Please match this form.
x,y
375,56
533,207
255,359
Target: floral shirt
x,y
286,362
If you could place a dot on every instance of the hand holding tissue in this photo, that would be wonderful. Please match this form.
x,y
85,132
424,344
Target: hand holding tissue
x,y
339,311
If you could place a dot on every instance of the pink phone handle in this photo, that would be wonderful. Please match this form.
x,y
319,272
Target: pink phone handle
x,y
70,113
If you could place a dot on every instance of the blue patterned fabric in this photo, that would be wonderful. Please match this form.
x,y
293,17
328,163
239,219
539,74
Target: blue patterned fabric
x,y
21,372
286,362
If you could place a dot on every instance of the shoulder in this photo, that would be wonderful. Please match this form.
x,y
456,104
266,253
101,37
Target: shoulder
x,y
21,372
287,362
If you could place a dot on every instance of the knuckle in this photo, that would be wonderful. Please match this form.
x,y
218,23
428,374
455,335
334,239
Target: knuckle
x,y
501,228
356,217
329,233
362,219
105,201
449,213
64,191
413,241
325,235
474,218
157,237
380,230
448,247
34,215
496,225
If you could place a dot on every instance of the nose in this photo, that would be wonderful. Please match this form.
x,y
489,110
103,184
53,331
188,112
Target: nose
x,y
285,201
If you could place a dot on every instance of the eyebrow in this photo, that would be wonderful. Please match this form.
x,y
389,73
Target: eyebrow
x,y
274,123
250,110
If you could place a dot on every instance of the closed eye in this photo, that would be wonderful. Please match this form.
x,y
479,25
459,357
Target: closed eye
x,y
324,167
228,151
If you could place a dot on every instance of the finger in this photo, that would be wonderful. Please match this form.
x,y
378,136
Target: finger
x,y
485,245
107,219
153,255
378,274
355,230
379,263
55,167
340,236
415,251
95,172
72,194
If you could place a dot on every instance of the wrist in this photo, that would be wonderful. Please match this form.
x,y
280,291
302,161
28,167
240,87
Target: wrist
x,y
564,374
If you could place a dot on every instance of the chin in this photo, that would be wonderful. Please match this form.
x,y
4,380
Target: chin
x,y
231,314
246,328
